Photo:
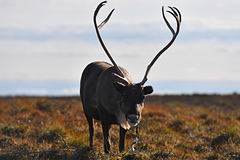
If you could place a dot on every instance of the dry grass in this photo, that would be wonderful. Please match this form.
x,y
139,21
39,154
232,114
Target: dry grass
x,y
172,127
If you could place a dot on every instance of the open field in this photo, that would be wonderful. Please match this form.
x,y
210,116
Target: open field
x,y
172,127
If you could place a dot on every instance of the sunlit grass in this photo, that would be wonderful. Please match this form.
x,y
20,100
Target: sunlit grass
x,y
173,129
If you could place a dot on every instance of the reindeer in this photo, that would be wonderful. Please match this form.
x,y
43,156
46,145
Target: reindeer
x,y
108,93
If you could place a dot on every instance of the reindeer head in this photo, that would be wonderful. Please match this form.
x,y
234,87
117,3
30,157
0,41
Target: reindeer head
x,y
131,100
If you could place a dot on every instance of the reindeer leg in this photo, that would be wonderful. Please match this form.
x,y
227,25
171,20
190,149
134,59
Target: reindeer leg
x,y
106,133
91,129
122,139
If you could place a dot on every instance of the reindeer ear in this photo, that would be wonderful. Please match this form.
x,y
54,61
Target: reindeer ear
x,y
119,86
147,90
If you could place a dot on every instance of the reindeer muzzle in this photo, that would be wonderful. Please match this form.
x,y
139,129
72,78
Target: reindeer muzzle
x,y
133,120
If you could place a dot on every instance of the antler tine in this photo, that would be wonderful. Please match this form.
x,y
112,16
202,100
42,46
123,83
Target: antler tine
x,y
121,75
166,21
106,20
177,15
180,16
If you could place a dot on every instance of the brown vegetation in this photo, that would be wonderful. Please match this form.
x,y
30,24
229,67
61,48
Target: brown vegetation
x,y
172,127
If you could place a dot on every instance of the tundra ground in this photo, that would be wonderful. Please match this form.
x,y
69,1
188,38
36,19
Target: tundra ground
x,y
172,127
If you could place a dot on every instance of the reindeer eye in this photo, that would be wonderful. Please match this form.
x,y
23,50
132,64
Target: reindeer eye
x,y
124,98
141,99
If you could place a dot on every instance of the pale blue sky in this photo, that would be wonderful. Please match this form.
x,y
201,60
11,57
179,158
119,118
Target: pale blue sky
x,y
51,41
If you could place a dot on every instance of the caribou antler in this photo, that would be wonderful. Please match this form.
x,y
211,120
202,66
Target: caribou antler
x,y
177,15
121,75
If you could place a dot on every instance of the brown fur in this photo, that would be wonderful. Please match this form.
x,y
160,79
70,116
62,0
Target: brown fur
x,y
107,99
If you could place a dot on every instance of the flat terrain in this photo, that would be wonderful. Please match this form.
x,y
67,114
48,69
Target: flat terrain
x,y
172,127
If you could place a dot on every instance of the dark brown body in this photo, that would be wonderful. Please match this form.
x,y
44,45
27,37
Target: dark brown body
x,y
105,98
